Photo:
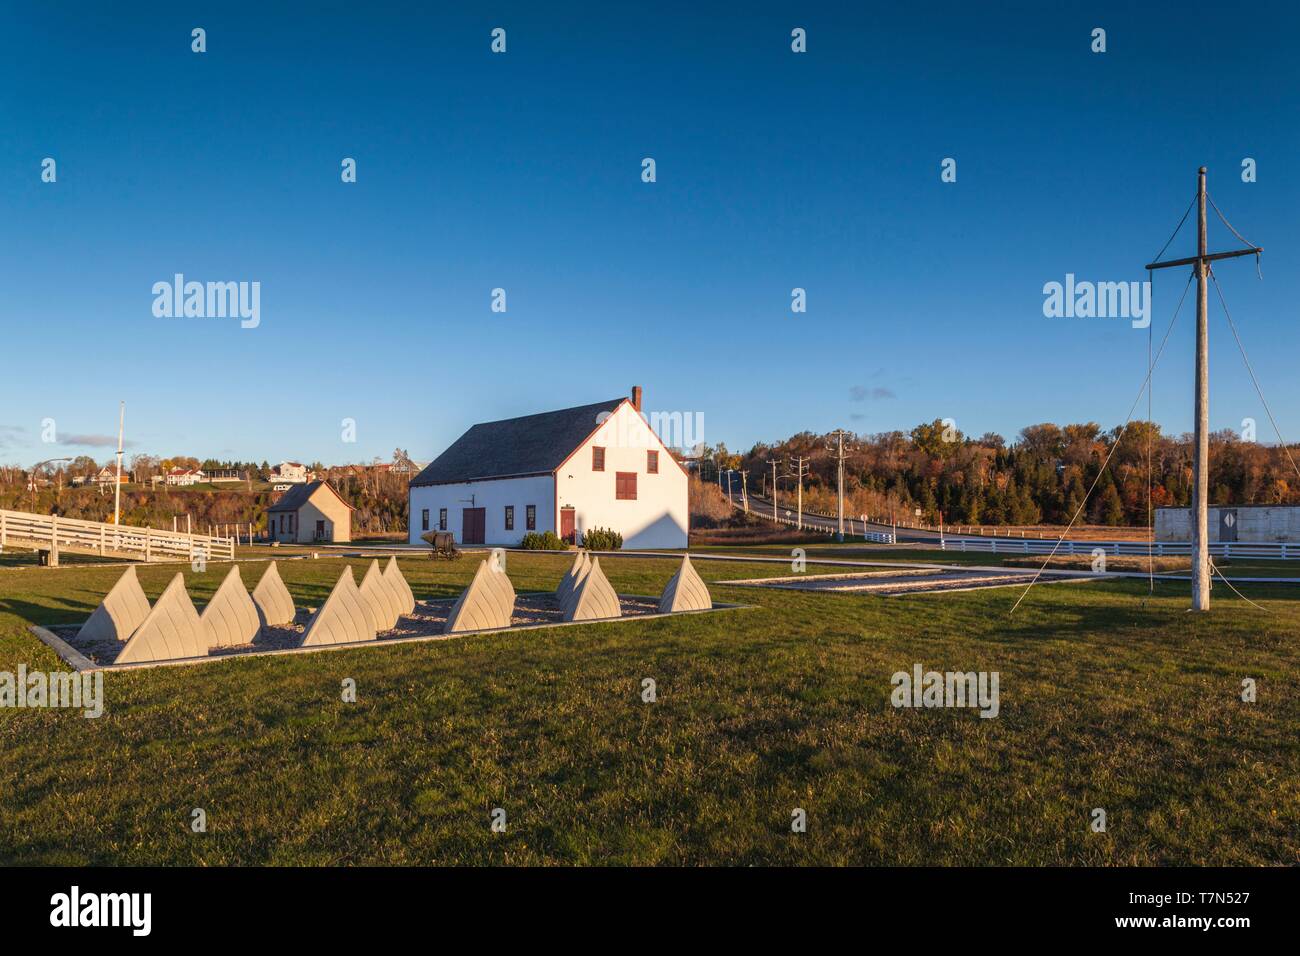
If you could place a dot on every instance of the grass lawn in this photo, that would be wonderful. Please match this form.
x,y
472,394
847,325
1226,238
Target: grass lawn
x,y
1108,700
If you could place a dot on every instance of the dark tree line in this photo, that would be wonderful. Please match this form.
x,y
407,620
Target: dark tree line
x,y
1041,477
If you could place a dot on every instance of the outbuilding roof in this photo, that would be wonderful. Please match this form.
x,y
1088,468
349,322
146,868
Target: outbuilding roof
x,y
299,495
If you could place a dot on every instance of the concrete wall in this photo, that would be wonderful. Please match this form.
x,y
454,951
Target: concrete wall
x,y
660,515
1253,523
492,496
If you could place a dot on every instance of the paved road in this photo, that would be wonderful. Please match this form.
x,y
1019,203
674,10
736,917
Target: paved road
x,y
852,526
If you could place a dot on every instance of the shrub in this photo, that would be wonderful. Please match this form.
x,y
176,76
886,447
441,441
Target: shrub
x,y
602,539
546,541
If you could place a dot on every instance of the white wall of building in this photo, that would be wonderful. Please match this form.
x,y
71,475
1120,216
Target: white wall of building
x,y
660,515
492,496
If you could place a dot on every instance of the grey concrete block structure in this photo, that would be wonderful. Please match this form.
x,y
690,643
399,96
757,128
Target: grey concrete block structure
x,y
594,598
272,599
380,598
488,602
685,591
399,588
171,631
1273,524
231,616
344,618
123,609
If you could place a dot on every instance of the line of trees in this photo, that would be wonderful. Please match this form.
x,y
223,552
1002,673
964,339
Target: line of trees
x,y
1042,477
377,491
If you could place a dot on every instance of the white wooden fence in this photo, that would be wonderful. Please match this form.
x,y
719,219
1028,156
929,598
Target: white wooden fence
x,y
1279,550
54,534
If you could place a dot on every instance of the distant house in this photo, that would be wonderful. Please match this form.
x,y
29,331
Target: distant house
x,y
309,513
108,476
291,473
565,471
224,475
185,476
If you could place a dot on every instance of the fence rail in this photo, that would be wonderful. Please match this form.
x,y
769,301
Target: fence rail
x,y
1276,550
1006,544
54,534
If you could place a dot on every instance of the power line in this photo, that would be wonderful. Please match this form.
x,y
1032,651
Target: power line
x,y
1109,454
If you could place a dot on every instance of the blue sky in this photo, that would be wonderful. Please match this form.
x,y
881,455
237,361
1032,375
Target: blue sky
x,y
522,171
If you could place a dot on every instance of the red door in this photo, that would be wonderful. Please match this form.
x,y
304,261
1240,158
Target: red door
x,y
472,523
566,524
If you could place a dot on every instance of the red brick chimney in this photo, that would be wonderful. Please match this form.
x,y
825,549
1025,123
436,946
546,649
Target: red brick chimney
x,y
636,397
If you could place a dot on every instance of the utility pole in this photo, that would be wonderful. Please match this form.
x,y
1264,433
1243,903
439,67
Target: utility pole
x,y
772,462
1200,263
801,469
744,490
117,486
840,456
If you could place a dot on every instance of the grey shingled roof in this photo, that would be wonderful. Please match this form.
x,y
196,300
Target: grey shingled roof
x,y
297,496
531,445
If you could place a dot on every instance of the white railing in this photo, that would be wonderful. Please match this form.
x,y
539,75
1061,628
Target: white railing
x,y
52,533
1277,550
878,537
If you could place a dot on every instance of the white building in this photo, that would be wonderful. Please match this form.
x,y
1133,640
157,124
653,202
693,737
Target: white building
x,y
185,476
595,466
291,473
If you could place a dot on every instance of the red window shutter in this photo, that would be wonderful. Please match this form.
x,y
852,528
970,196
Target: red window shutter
x,y
597,458
625,485
652,462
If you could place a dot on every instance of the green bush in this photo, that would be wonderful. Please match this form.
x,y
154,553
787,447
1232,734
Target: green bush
x,y
546,541
602,539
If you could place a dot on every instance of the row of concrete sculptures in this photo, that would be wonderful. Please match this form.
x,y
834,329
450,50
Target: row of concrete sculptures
x,y
584,594
173,629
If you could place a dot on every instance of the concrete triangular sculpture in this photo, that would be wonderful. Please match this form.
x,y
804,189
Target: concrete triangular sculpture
x,y
170,632
399,588
272,599
488,602
580,575
379,596
123,609
594,598
231,616
570,577
685,591
344,618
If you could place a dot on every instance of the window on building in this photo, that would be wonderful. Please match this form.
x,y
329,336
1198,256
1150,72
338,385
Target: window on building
x,y
652,462
510,517
597,458
424,520
530,517
625,485
442,519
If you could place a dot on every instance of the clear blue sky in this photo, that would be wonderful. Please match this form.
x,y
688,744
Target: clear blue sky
x,y
522,171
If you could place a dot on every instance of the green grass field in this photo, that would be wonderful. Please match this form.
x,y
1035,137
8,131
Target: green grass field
x,y
1108,699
